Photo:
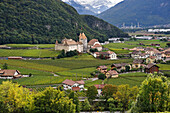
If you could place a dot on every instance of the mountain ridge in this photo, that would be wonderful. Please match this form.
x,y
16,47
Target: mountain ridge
x,y
91,7
145,12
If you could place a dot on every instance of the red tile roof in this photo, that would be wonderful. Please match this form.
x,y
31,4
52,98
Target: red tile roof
x,y
9,73
91,42
113,72
75,88
82,36
68,82
80,82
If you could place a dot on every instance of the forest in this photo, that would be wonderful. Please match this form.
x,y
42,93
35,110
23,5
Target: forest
x,y
44,21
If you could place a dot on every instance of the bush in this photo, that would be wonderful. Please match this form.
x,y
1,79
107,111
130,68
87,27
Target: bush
x,y
102,76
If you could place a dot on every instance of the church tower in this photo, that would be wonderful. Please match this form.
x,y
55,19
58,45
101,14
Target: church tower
x,y
83,40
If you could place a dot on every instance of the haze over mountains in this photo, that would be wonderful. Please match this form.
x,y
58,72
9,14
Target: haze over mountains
x,y
132,12
92,7
44,21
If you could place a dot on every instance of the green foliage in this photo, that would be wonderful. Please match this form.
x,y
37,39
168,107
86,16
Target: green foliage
x,y
127,68
44,21
109,90
91,93
15,99
93,50
73,96
101,76
126,95
51,100
153,95
86,105
5,66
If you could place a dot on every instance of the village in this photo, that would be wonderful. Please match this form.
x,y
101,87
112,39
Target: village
x,y
145,60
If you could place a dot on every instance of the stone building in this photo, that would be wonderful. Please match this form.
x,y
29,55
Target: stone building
x,y
69,45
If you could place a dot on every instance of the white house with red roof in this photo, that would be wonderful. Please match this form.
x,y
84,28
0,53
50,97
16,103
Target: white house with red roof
x,y
109,54
73,85
94,43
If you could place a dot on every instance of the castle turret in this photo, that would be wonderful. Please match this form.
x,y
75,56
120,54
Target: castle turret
x,y
83,39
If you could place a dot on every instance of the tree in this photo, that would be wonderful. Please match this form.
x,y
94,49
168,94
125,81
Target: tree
x,y
75,100
127,68
52,100
91,93
168,44
126,95
5,66
153,95
121,39
14,98
109,90
101,76
86,105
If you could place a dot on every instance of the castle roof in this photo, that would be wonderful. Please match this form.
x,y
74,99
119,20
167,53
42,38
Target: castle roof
x,y
69,42
82,36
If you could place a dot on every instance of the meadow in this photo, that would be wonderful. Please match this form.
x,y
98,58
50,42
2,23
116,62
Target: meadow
x,y
29,52
31,45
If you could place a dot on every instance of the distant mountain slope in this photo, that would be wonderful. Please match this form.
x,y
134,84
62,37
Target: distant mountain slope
x,y
91,7
44,21
146,12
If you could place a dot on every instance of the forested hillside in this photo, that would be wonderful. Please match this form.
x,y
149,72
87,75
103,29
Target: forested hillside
x,y
44,21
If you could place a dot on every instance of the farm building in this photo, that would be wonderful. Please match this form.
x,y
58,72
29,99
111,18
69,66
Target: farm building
x,y
10,74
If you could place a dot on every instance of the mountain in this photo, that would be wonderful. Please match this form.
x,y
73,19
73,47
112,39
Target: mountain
x,y
44,21
145,12
91,7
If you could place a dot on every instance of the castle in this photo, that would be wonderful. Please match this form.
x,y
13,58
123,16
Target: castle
x,y
80,46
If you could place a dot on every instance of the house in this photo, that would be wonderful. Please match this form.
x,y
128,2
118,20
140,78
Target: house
x,y
102,69
137,49
10,74
137,63
94,43
151,59
135,54
151,68
119,67
99,88
107,55
152,52
143,55
73,85
112,74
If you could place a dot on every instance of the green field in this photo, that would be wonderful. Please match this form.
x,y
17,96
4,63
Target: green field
x,y
132,81
164,66
29,52
31,45
91,83
81,65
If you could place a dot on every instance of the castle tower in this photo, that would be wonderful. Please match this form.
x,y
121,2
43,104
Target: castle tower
x,y
83,39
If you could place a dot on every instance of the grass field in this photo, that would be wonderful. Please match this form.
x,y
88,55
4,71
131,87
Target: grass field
x,y
91,83
132,81
31,45
29,52
164,66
